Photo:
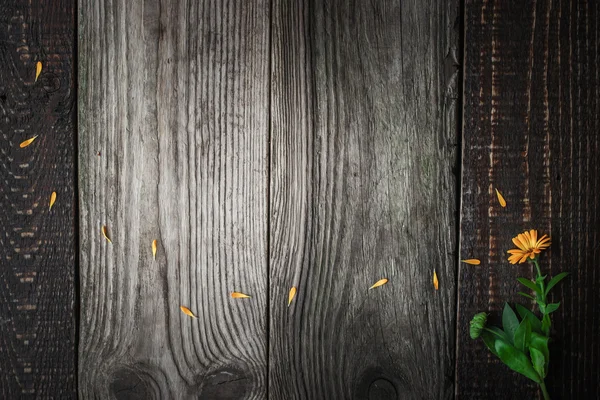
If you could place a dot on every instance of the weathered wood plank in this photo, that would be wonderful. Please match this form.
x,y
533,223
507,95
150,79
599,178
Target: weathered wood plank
x,y
37,245
531,122
174,98
363,145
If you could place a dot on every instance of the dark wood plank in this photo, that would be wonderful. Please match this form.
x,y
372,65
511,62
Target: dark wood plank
x,y
363,145
37,245
174,97
531,122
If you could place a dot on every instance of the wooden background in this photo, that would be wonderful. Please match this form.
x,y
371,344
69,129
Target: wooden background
x,y
38,246
267,144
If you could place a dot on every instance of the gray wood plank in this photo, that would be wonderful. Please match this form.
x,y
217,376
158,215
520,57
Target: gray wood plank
x,y
364,134
173,146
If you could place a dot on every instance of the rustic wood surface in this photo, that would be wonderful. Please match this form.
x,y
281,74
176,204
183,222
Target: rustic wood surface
x,y
267,144
531,122
364,102
173,146
37,245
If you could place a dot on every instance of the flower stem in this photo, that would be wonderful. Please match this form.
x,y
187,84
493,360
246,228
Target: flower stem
x,y
544,391
539,275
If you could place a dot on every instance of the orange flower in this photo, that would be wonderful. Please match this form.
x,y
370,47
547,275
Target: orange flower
x,y
528,246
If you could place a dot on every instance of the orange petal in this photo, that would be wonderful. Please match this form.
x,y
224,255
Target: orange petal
x,y
27,142
500,199
435,280
52,200
514,259
187,311
105,233
533,234
291,295
515,251
238,295
527,239
154,248
472,261
38,70
520,241
379,283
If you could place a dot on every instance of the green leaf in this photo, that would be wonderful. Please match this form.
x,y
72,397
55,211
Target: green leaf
x,y
540,279
526,295
550,308
490,341
516,360
531,285
536,324
555,280
510,322
499,333
522,335
540,343
538,361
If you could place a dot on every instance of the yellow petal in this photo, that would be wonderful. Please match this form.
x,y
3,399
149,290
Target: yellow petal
x,y
238,295
472,261
52,200
379,283
291,295
435,280
501,199
27,142
187,311
154,248
105,233
38,70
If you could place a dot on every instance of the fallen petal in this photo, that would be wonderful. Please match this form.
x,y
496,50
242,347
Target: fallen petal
x,y
27,142
291,295
52,200
105,233
501,199
379,283
38,70
154,248
187,311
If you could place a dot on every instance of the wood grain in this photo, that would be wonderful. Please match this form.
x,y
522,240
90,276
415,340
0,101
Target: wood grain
x,y
174,98
37,246
531,121
364,100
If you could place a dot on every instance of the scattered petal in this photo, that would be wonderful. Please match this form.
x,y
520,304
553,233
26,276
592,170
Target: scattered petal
x,y
238,295
52,200
435,280
501,199
154,248
187,311
472,261
105,233
27,142
38,70
291,295
379,283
